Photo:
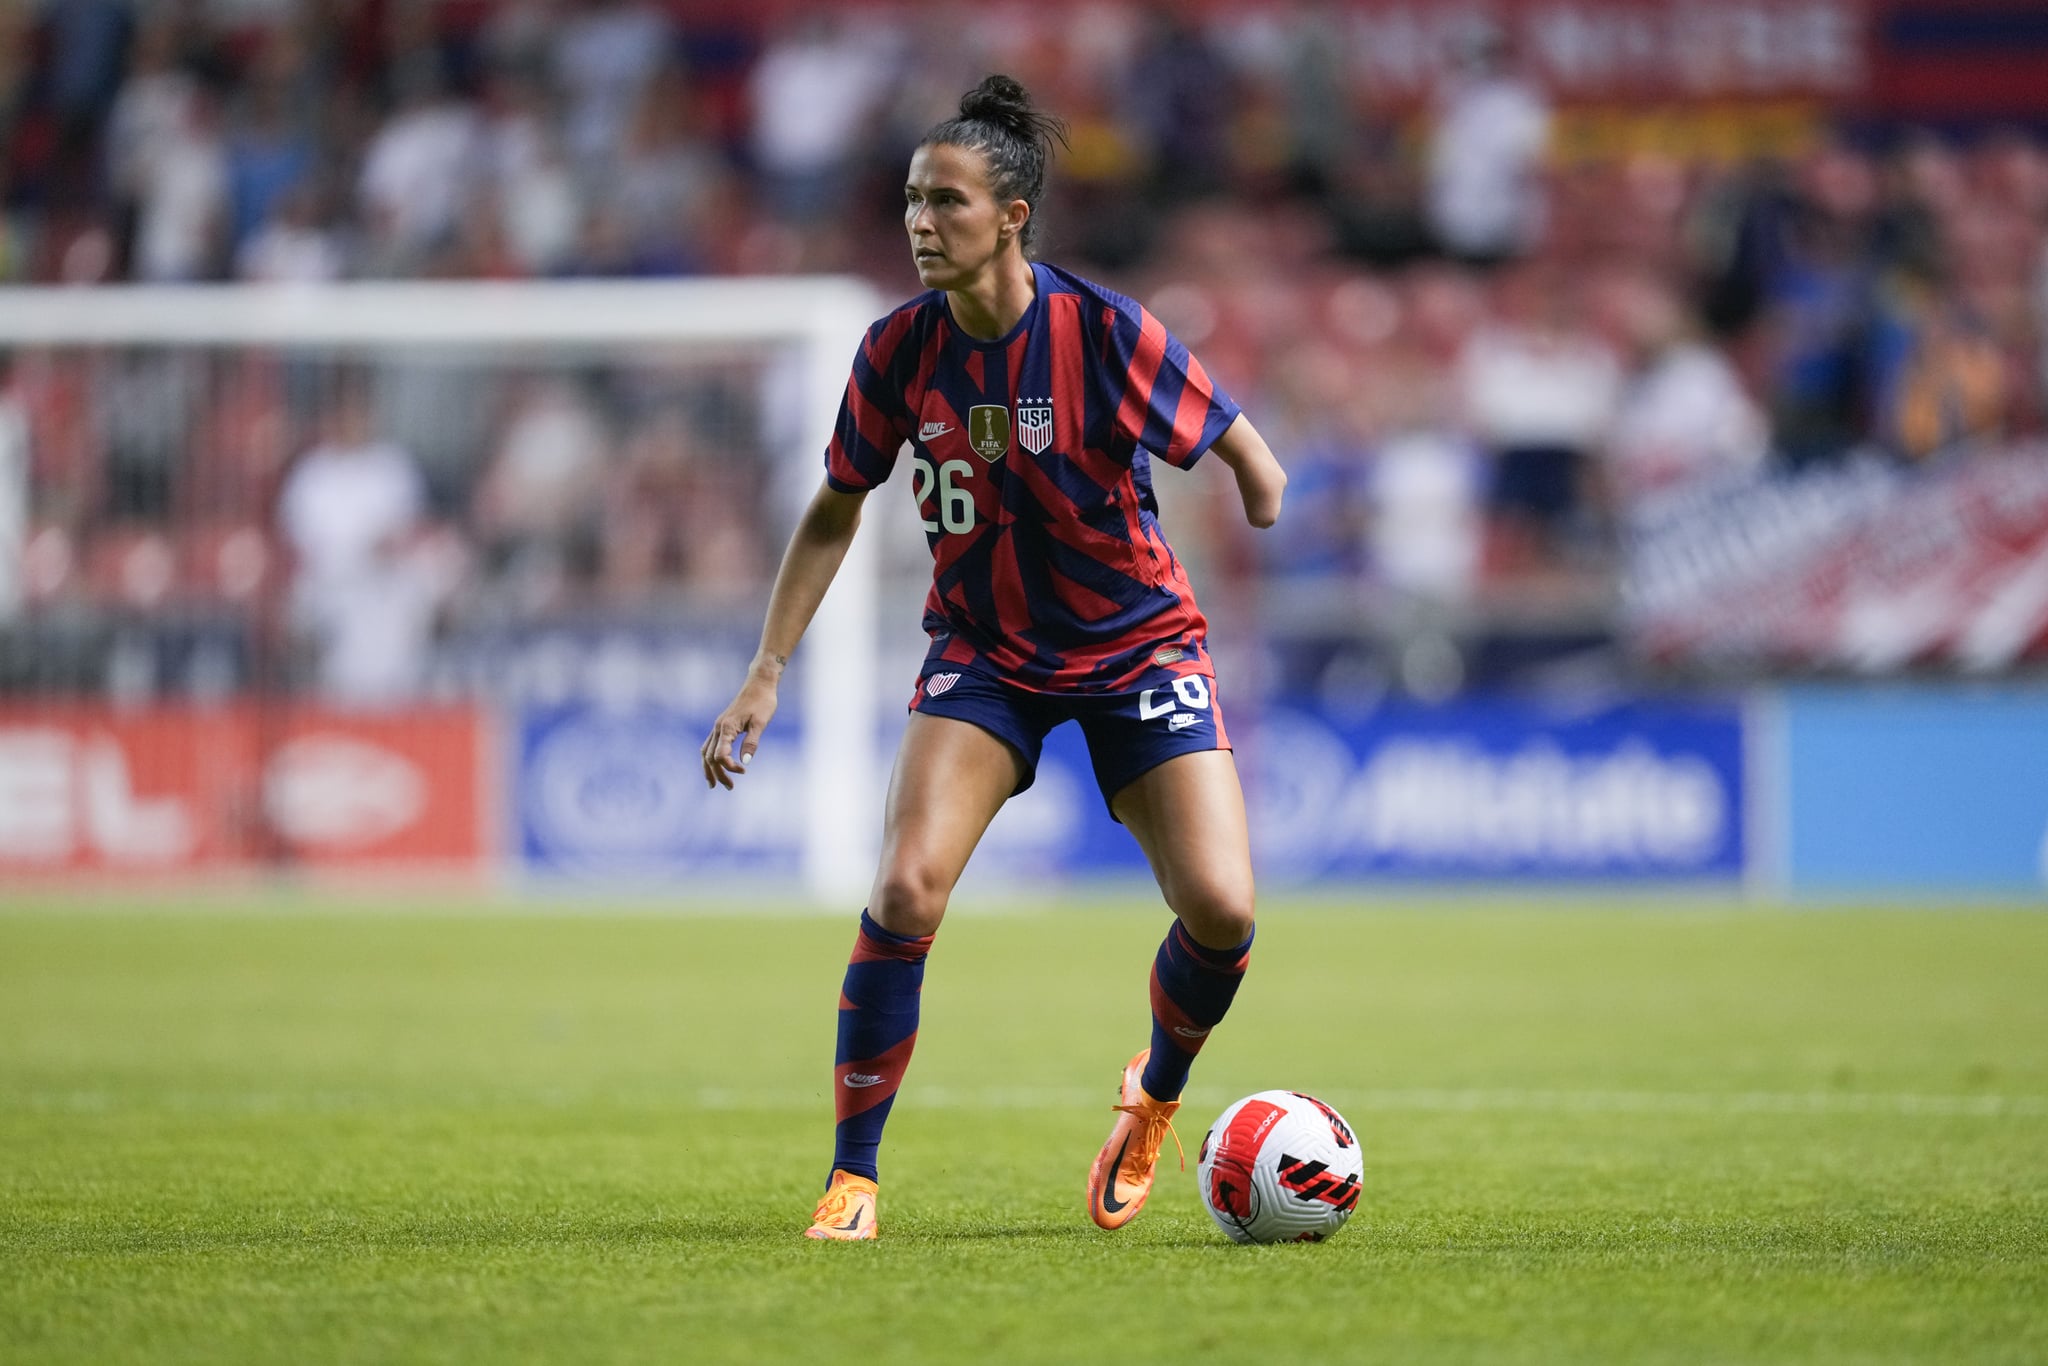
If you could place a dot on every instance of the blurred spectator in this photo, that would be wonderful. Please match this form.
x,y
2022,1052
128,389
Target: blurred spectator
x,y
1299,58
1485,188
1539,390
1306,415
539,204
1177,96
182,195
86,40
416,174
1816,272
1684,421
812,95
538,502
242,439
292,246
1427,532
668,175
268,157
146,399
606,52
669,517
1938,379
518,36
369,576
149,115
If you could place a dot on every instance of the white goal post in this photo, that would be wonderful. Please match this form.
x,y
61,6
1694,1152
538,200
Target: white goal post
x,y
820,319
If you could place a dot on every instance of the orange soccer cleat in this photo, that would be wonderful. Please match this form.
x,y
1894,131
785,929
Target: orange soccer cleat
x,y
1122,1175
847,1211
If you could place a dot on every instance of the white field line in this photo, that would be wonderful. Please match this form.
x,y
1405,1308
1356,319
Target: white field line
x,y
1455,1101
934,1097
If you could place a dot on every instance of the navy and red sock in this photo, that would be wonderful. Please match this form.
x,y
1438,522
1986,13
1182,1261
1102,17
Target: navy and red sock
x,y
1192,986
877,1029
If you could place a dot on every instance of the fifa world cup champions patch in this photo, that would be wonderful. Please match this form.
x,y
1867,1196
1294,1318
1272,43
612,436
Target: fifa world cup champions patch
x,y
988,430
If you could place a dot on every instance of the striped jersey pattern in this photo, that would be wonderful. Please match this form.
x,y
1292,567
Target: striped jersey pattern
x,y
1031,460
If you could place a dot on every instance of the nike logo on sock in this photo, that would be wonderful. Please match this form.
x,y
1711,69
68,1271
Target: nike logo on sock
x,y
860,1079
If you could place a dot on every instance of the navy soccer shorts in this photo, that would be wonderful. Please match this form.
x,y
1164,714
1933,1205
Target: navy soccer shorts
x,y
1128,733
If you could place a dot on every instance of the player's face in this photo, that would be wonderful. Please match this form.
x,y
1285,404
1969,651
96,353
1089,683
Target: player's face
x,y
958,228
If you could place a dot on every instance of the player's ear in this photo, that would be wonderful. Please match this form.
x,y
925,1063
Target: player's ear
x,y
1015,214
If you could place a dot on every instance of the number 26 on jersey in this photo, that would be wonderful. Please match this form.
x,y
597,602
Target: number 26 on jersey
x,y
956,500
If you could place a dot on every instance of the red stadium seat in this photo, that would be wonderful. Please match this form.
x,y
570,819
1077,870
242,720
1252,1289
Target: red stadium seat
x,y
131,567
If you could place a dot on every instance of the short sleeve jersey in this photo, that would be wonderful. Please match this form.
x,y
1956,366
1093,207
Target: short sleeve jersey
x,y
1031,457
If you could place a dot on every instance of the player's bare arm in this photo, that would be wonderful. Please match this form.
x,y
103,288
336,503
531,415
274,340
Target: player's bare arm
x,y
815,551
1260,480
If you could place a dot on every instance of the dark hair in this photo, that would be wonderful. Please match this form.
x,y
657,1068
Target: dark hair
x,y
996,119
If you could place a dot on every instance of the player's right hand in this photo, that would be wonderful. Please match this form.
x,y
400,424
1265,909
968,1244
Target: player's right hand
x,y
748,715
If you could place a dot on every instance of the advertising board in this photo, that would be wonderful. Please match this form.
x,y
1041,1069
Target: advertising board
x,y
1936,791
619,793
1492,788
94,789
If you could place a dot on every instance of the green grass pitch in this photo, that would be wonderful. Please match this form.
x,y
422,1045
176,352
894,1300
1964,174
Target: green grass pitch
x,y
1626,1134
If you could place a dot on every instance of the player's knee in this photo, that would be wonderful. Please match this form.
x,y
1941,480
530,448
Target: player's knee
x,y
1218,917
910,898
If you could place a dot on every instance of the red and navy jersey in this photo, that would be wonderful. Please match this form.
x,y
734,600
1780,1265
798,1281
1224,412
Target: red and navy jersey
x,y
1032,457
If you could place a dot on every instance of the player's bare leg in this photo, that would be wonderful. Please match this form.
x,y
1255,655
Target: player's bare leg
x,y
950,780
1188,817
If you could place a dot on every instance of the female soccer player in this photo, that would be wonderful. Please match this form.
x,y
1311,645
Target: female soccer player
x,y
1034,404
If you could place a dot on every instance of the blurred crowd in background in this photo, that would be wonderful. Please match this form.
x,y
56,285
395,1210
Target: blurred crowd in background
x,y
1484,344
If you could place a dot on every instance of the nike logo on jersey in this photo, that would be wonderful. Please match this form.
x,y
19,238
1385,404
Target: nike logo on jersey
x,y
931,430
1181,720
859,1079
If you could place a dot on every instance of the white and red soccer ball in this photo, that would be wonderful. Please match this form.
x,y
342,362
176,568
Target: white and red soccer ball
x,y
1280,1167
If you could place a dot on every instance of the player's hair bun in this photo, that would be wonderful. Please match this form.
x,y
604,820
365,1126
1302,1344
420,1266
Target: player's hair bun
x,y
1001,100
998,120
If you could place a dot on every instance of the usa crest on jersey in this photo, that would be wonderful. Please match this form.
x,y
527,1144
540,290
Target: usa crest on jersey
x,y
1034,425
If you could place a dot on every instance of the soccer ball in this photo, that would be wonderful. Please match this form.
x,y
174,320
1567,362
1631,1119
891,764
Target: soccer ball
x,y
1280,1167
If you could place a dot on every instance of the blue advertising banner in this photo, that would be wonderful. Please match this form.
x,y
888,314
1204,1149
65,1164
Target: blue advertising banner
x,y
618,793
1492,788
1476,790
1892,790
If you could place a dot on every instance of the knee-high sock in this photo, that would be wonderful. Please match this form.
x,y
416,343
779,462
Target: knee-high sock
x,y
877,1029
1192,986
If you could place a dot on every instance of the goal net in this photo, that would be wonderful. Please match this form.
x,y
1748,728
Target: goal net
x,y
380,576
